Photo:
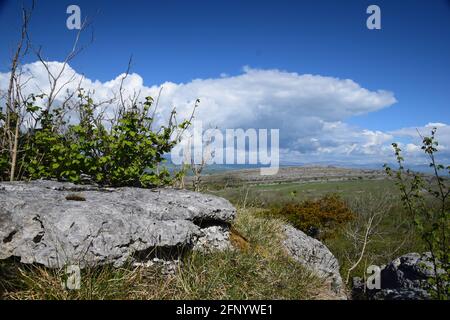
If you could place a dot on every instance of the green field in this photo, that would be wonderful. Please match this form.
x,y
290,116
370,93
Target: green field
x,y
269,194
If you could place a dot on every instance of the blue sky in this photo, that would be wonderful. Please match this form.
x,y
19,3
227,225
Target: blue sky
x,y
179,41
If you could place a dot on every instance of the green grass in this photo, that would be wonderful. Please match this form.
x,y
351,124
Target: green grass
x,y
264,195
261,271
395,235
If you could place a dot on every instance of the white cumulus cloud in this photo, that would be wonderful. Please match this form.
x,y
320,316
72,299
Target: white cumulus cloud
x,y
310,110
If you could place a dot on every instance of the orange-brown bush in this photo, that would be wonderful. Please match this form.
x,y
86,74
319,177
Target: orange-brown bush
x,y
318,218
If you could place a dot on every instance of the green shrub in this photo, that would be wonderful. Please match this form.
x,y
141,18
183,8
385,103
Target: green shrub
x,y
123,151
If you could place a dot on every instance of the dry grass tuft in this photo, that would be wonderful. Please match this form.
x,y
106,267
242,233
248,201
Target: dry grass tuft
x,y
260,270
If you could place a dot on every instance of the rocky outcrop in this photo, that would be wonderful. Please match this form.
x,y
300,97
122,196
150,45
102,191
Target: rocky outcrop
x,y
315,256
55,224
405,278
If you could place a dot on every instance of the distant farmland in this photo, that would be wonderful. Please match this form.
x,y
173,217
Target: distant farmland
x,y
294,183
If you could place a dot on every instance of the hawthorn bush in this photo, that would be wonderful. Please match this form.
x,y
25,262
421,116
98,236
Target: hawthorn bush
x,y
317,218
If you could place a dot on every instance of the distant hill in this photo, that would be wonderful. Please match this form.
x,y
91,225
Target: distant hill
x,y
215,168
290,174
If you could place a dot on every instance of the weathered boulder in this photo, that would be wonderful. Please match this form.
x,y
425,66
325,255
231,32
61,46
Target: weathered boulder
x,y
315,256
55,224
405,278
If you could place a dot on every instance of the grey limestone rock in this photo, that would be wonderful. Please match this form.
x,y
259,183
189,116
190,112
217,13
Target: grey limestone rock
x,y
315,256
55,224
404,278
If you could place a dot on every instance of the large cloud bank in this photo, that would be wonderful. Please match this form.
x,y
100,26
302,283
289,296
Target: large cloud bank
x,y
309,110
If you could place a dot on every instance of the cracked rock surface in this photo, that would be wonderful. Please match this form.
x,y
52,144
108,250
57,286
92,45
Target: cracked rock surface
x,y
213,238
55,224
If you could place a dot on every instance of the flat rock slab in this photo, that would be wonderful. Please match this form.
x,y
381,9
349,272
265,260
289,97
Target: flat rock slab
x,y
55,224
